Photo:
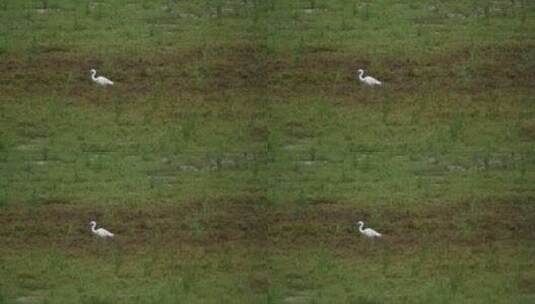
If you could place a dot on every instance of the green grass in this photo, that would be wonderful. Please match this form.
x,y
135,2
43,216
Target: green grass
x,y
421,277
237,147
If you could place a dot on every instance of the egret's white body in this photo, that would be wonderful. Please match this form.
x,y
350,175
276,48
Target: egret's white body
x,y
368,80
100,232
100,80
368,232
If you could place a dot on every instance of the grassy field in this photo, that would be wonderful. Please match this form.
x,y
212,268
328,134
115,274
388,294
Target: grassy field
x,y
237,148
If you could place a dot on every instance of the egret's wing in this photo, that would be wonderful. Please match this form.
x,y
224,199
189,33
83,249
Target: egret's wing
x,y
104,80
375,80
371,233
104,233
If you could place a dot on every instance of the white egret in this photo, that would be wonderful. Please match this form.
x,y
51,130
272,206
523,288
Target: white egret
x,y
100,232
368,232
368,80
100,80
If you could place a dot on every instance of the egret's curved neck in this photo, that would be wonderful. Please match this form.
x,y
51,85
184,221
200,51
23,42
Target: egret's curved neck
x,y
93,228
361,72
93,73
360,226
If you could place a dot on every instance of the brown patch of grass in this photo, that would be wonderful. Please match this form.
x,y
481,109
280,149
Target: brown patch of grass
x,y
527,130
260,225
133,75
486,68
526,283
249,67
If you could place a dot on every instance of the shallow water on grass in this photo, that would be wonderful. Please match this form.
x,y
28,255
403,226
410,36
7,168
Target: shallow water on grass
x,y
33,299
34,145
300,297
